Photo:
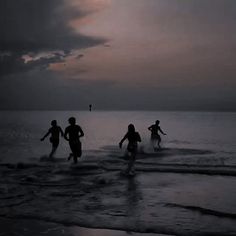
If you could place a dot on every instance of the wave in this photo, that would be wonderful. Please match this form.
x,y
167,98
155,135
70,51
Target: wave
x,y
163,151
102,201
91,168
203,210
175,168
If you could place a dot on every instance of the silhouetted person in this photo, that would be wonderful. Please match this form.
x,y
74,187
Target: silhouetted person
x,y
75,132
90,107
155,137
55,132
133,138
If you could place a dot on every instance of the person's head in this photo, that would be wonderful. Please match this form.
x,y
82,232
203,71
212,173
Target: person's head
x,y
54,123
131,128
72,120
157,122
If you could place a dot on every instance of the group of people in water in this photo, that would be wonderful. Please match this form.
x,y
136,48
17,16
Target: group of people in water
x,y
74,132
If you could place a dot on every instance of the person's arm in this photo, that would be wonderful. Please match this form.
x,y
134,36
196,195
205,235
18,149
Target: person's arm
x,y
122,140
49,131
161,131
81,132
150,128
65,134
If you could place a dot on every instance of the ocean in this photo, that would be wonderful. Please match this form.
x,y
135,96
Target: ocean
x,y
20,133
185,188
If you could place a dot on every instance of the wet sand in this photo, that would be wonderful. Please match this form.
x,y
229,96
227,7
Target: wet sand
x,y
57,198
14,227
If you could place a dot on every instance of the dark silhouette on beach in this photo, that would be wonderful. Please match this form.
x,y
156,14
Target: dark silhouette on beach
x,y
55,132
133,138
155,137
90,107
74,132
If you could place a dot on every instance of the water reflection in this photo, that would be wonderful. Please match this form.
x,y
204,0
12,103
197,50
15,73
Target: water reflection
x,y
134,195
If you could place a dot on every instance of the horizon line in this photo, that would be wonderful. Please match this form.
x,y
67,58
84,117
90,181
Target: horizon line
x,y
121,110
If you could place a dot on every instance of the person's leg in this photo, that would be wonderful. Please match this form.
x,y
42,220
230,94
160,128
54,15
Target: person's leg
x,y
159,141
70,156
156,144
73,150
130,167
52,152
79,149
153,143
54,148
75,157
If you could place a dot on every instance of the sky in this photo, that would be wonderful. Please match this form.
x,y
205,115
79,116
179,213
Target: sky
x,y
118,54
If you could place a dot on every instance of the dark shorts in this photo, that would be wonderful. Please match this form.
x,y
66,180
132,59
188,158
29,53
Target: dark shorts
x,y
75,147
155,137
55,142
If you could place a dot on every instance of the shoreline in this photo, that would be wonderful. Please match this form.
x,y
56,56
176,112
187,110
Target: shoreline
x,y
162,198
40,227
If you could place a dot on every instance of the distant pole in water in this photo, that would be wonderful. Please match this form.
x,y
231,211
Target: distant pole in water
x,y
90,107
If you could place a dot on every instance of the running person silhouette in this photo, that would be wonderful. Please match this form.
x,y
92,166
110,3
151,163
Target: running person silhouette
x,y
133,138
55,132
74,132
155,137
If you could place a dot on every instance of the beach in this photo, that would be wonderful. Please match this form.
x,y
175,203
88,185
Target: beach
x,y
117,118
182,189
95,194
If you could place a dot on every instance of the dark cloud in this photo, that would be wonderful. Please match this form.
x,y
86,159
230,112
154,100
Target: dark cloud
x,y
191,67
14,63
36,26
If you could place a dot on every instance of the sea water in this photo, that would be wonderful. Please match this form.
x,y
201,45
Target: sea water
x,y
20,133
94,192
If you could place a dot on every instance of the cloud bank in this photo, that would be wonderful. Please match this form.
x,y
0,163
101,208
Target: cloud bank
x,y
32,27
